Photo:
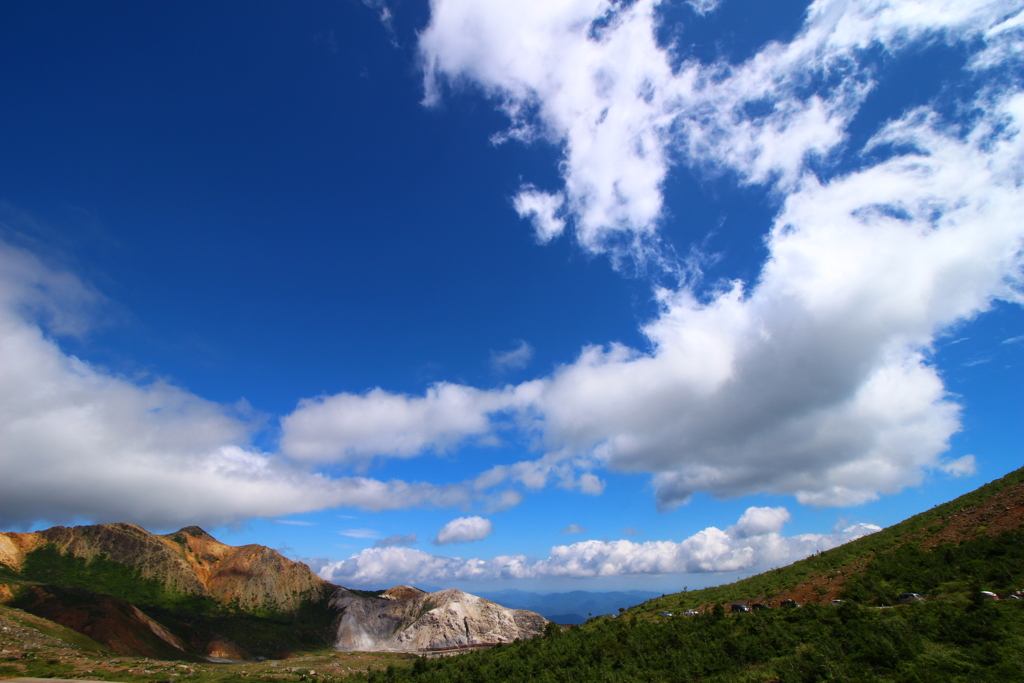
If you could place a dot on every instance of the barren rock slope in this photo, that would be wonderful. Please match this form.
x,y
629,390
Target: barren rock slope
x,y
408,619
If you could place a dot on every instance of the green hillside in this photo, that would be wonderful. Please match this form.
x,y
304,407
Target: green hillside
x,y
948,554
853,558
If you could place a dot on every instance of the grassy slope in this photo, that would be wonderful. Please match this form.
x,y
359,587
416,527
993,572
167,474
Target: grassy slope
x,y
849,557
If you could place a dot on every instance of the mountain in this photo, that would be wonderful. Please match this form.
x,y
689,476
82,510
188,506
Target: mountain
x,y
573,607
185,594
188,562
407,619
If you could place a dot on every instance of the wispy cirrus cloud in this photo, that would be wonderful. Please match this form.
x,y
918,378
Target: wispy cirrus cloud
x,y
515,358
360,533
396,540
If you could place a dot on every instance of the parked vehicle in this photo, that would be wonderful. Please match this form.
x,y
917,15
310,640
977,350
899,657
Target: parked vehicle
x,y
837,602
666,614
739,607
907,598
691,613
758,606
990,595
789,603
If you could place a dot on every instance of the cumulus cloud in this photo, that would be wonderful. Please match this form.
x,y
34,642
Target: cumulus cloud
x,y
78,442
464,530
396,540
753,543
514,359
591,77
351,428
759,521
814,380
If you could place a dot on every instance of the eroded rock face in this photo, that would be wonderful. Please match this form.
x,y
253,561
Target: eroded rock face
x,y
188,561
407,619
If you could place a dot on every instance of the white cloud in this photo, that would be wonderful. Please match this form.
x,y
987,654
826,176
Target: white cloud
x,y
704,6
464,530
710,550
359,533
589,76
541,208
351,428
80,443
814,380
569,470
294,522
964,466
513,359
759,521
573,529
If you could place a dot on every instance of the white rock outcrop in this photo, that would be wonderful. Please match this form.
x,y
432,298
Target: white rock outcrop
x,y
407,619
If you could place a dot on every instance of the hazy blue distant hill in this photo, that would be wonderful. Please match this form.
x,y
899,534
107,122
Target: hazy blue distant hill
x,y
574,607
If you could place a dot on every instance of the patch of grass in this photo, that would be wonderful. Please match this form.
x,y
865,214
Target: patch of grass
x,y
53,630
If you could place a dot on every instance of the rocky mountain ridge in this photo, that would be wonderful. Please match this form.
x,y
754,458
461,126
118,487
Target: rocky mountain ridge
x,y
189,561
132,591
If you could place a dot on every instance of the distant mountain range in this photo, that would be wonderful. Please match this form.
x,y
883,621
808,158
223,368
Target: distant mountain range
x,y
573,607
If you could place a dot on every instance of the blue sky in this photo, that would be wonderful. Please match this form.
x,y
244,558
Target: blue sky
x,y
544,295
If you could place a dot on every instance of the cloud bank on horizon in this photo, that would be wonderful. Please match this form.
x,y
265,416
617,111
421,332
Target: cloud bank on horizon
x,y
753,542
813,381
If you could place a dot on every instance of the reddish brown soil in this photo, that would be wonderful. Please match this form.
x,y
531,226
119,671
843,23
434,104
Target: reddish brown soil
x,y
1002,512
108,620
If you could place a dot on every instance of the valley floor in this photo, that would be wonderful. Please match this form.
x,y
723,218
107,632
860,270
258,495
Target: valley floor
x,y
31,648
